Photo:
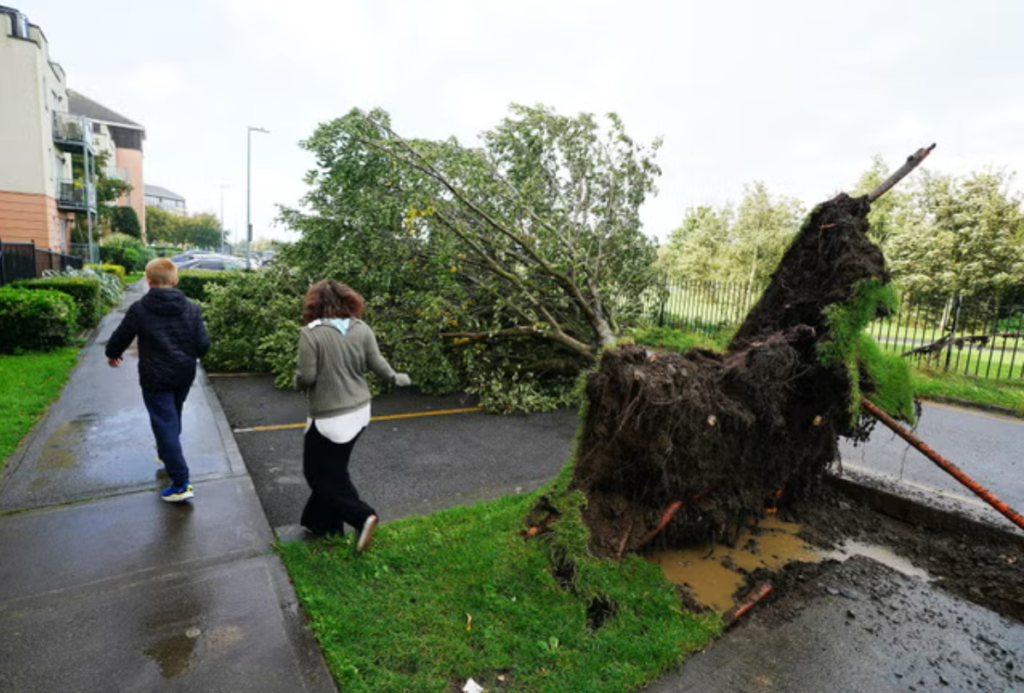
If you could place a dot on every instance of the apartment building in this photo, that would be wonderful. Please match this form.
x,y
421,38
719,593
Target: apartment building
x,y
48,162
165,199
50,137
121,138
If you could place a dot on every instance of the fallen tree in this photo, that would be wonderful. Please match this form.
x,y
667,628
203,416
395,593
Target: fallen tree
x,y
692,445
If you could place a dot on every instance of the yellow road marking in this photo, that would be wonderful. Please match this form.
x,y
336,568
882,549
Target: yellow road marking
x,y
391,417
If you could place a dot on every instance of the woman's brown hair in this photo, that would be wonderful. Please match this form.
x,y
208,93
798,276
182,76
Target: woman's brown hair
x,y
330,299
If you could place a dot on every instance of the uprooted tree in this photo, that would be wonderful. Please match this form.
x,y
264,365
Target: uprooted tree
x,y
694,444
526,249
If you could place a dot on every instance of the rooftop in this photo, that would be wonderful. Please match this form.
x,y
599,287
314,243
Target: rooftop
x,y
79,104
157,191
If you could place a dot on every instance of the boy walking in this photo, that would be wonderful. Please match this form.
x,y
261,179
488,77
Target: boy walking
x,y
171,337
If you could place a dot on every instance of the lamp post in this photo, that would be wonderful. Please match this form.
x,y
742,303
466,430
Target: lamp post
x,y
248,193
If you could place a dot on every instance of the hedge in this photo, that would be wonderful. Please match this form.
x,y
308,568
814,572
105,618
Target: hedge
x,y
32,319
193,283
116,270
84,290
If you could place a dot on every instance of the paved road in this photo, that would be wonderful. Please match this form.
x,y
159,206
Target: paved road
x,y
987,447
413,465
402,466
103,587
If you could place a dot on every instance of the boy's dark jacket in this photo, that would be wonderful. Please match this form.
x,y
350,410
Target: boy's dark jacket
x,y
171,337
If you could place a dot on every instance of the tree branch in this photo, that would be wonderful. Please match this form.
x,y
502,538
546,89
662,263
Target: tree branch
x,y
913,161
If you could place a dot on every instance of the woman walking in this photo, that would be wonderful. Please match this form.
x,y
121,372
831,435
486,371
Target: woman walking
x,y
336,348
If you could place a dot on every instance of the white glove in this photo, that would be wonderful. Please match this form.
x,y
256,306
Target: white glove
x,y
402,380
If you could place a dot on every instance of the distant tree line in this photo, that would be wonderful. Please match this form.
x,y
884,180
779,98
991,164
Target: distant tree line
x,y
941,234
193,231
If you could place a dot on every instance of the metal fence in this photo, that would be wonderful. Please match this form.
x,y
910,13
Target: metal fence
x,y
981,338
26,261
707,307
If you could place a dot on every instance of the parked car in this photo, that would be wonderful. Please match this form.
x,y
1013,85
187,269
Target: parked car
x,y
213,262
189,256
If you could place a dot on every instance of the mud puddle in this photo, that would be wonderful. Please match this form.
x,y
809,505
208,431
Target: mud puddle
x,y
714,578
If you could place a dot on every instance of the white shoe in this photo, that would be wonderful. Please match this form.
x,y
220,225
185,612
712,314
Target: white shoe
x,y
366,535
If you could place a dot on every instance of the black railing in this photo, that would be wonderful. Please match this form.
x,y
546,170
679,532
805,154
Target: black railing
x,y
981,338
26,261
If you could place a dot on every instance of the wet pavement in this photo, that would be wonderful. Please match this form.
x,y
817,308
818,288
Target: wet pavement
x,y
859,626
103,587
986,446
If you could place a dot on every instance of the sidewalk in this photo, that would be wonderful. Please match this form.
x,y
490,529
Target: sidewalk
x,y
103,587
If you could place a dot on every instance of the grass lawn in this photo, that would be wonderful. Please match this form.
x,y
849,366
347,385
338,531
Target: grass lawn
x,y
459,594
28,383
999,392
133,277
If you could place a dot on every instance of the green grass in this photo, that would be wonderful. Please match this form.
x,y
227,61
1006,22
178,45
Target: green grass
x,y
459,594
931,383
134,277
28,383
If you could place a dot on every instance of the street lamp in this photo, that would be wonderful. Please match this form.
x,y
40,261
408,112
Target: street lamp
x,y
248,193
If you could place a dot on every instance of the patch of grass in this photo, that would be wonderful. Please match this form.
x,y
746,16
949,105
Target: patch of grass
x,y
134,277
459,594
679,340
28,383
937,383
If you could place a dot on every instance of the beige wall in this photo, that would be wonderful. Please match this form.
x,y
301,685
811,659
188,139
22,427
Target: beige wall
x,y
131,161
28,157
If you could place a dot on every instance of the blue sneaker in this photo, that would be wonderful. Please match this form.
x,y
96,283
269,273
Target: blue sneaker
x,y
177,494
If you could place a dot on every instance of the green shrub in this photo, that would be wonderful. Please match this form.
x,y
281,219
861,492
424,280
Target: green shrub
x,y
125,220
33,319
116,270
254,320
84,290
111,288
193,283
130,253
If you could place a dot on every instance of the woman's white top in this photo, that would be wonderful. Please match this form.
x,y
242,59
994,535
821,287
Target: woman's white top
x,y
342,428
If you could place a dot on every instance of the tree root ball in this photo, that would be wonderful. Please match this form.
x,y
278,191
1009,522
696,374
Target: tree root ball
x,y
724,433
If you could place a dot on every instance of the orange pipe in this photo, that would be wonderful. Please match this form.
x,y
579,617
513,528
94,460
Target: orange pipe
x,y
954,471
761,591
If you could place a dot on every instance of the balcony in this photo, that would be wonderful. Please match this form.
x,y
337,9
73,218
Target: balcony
x,y
72,133
76,196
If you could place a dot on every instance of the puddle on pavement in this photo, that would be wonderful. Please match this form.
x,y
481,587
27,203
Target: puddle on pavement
x,y
174,654
59,451
882,554
713,579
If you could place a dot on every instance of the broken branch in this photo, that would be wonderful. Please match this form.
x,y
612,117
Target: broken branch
x,y
913,161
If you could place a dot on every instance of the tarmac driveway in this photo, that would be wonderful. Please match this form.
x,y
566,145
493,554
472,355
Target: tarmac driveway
x,y
411,464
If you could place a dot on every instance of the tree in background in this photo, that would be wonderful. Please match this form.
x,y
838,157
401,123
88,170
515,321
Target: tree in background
x,y
959,235
742,245
193,231
108,190
125,220
696,250
160,225
764,227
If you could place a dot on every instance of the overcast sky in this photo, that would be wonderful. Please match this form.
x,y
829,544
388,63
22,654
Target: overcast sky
x,y
799,94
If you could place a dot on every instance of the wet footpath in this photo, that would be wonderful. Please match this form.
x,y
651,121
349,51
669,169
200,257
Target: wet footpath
x,y
103,587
